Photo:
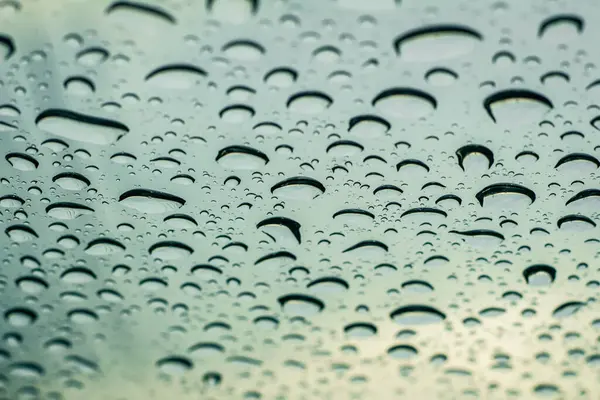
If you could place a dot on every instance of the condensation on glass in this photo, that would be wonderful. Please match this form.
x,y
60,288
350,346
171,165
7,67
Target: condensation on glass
x,y
299,199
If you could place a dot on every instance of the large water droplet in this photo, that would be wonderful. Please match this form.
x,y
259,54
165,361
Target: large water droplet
x,y
298,188
104,247
176,76
406,103
539,275
135,13
170,250
241,157
301,305
517,106
71,181
80,127
151,201
174,365
505,195
417,315
310,102
436,43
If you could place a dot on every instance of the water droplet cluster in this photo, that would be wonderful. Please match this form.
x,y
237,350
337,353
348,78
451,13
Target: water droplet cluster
x,y
342,199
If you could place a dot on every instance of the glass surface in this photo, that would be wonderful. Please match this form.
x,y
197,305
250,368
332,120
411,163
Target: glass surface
x,y
299,199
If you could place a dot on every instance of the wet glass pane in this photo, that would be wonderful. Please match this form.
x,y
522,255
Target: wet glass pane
x,y
299,199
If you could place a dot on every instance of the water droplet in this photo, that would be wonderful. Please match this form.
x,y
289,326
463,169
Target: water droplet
x,y
241,157
328,285
517,106
360,330
309,102
92,57
417,315
281,77
20,317
501,195
402,352
71,181
21,233
22,162
232,11
79,86
568,309
298,188
243,50
68,211
31,284
170,250
128,10
436,43
104,247
406,103
176,76
151,201
78,275
80,127
539,275
174,365
561,28
301,305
